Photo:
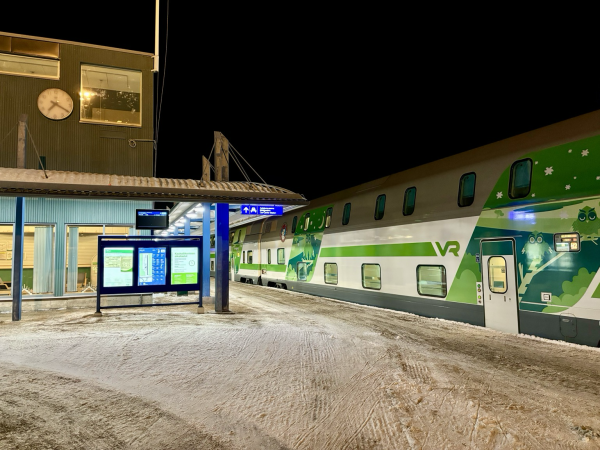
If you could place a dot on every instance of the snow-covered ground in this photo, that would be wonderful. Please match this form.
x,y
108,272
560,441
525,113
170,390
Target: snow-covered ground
x,y
287,371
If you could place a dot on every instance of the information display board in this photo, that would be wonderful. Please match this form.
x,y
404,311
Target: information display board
x,y
138,264
152,266
118,266
184,265
262,210
151,219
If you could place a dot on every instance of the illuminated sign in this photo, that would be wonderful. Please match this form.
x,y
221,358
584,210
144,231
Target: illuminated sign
x,y
566,242
184,265
262,210
118,266
151,219
152,268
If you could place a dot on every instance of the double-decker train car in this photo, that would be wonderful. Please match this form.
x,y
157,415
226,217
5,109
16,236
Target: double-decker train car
x,y
503,236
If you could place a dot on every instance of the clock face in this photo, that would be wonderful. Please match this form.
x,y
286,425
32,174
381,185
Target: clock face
x,y
55,104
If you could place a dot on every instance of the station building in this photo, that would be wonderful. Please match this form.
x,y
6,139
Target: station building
x,y
89,109
77,142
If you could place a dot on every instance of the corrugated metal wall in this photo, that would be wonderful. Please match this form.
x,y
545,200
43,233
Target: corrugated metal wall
x,y
61,212
70,145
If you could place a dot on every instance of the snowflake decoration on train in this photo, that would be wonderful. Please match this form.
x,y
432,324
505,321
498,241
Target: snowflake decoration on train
x,y
549,170
499,195
585,152
567,187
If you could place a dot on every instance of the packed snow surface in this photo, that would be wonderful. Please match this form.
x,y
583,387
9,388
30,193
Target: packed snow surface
x,y
287,371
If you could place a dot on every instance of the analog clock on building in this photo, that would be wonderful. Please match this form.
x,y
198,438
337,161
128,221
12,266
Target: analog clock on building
x,y
55,104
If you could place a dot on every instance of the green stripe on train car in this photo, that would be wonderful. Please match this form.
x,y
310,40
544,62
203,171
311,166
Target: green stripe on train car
x,y
269,267
410,249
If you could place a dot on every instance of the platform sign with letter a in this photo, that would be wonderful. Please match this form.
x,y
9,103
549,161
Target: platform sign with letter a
x,y
262,210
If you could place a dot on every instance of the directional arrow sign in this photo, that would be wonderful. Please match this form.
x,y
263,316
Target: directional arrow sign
x,y
262,210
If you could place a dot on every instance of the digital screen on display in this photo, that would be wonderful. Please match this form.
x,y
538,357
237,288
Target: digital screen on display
x,y
184,265
151,219
152,266
118,266
566,242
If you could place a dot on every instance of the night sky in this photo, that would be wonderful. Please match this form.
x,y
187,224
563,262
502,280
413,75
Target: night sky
x,y
319,102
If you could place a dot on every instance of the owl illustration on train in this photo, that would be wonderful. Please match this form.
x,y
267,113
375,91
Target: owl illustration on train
x,y
586,224
536,247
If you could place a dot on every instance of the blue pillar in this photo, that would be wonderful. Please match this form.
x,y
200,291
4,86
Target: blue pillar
x,y
221,257
186,227
17,255
206,250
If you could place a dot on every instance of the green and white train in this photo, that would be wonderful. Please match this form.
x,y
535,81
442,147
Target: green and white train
x,y
503,236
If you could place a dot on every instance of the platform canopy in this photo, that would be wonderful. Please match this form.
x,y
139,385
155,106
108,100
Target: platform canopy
x,y
54,183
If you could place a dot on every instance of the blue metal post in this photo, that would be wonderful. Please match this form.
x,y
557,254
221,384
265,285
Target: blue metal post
x,y
222,257
206,251
17,255
186,227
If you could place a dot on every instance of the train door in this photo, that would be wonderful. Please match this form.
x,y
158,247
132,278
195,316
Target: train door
x,y
499,278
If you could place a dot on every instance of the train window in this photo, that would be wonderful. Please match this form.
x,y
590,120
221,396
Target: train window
x,y
331,273
520,179
212,265
301,271
379,207
568,242
466,189
212,241
410,196
371,276
269,256
294,223
497,275
431,280
231,235
281,256
306,221
328,219
346,214
243,257
249,256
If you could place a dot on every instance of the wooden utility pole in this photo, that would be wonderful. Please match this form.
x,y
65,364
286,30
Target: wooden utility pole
x,y
205,169
221,157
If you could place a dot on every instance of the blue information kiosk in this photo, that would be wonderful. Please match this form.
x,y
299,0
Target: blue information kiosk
x,y
144,264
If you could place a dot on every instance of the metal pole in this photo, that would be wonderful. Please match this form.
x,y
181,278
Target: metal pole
x,y
206,252
17,278
19,231
99,282
156,17
186,227
221,257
